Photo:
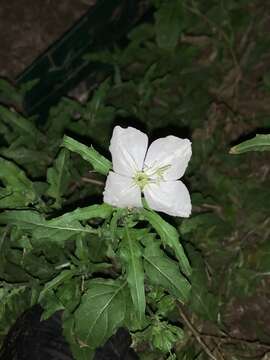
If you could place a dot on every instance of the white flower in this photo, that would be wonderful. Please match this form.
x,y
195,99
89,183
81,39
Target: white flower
x,y
153,172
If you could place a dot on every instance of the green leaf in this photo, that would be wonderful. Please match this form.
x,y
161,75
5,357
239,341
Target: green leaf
x,y
79,350
117,215
101,312
202,301
170,237
13,302
163,271
99,162
50,304
21,125
9,94
162,336
165,335
35,265
58,177
258,143
56,281
32,221
166,305
131,254
58,229
34,161
68,225
102,211
35,223
19,190
69,293
169,20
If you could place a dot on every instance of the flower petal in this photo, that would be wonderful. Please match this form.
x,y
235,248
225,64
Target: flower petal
x,y
169,152
128,148
170,197
121,191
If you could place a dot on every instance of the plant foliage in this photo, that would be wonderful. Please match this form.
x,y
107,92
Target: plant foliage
x,y
177,285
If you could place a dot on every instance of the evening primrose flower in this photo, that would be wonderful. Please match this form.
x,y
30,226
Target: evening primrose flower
x,y
153,172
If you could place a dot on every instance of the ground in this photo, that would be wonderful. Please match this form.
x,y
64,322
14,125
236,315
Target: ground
x,y
29,27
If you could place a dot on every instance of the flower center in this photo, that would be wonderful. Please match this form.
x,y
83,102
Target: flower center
x,y
141,179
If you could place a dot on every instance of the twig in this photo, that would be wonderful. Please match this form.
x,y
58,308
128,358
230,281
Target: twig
x,y
85,179
223,339
230,339
196,334
92,181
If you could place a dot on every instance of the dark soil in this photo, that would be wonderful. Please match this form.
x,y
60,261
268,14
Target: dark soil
x,y
32,339
29,27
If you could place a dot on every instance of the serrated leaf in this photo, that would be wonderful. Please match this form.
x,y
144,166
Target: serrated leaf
x,y
42,230
131,254
58,177
101,312
58,229
68,225
55,230
169,19
19,190
99,162
102,211
170,237
163,271
258,143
